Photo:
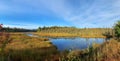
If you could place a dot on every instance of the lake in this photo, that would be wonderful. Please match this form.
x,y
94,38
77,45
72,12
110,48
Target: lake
x,y
75,43
72,43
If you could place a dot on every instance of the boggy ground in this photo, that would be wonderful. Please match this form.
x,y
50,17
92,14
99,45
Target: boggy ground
x,y
25,48
108,51
83,35
73,32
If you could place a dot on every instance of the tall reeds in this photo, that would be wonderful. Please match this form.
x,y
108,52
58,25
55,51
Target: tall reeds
x,y
4,40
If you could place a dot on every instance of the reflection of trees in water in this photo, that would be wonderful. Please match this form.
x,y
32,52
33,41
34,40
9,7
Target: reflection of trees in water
x,y
87,41
75,44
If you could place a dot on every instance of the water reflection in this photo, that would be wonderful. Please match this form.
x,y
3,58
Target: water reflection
x,y
75,43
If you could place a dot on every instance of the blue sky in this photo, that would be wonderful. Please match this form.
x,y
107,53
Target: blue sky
x,y
79,13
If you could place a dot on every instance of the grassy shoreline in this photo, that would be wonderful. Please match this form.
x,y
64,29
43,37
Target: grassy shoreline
x,y
69,35
64,35
73,32
33,48
27,48
108,51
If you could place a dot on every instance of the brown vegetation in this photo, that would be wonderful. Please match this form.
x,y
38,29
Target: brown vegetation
x,y
20,47
28,48
73,32
108,51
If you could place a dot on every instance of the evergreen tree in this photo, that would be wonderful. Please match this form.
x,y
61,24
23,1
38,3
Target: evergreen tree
x,y
117,30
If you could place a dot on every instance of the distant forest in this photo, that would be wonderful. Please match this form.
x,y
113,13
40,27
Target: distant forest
x,y
8,29
57,29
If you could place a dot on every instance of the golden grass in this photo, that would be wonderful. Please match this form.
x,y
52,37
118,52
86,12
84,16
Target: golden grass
x,y
83,35
20,41
27,48
108,51
32,48
73,32
55,34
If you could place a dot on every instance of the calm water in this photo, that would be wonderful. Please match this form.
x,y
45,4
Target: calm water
x,y
75,43
31,35
72,43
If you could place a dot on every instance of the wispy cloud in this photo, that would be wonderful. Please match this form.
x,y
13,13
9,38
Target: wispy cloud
x,y
99,14
95,14
27,26
81,13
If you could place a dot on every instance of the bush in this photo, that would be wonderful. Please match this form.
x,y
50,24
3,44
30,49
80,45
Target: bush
x,y
117,30
108,35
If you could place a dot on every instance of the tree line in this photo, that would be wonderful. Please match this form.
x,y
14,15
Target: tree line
x,y
59,29
8,29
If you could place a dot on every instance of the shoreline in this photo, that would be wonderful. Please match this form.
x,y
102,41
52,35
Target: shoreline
x,y
67,35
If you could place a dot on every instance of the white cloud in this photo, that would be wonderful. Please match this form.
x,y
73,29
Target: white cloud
x,y
99,11
28,26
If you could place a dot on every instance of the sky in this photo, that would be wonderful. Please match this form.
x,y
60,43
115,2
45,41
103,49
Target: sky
x,y
79,13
